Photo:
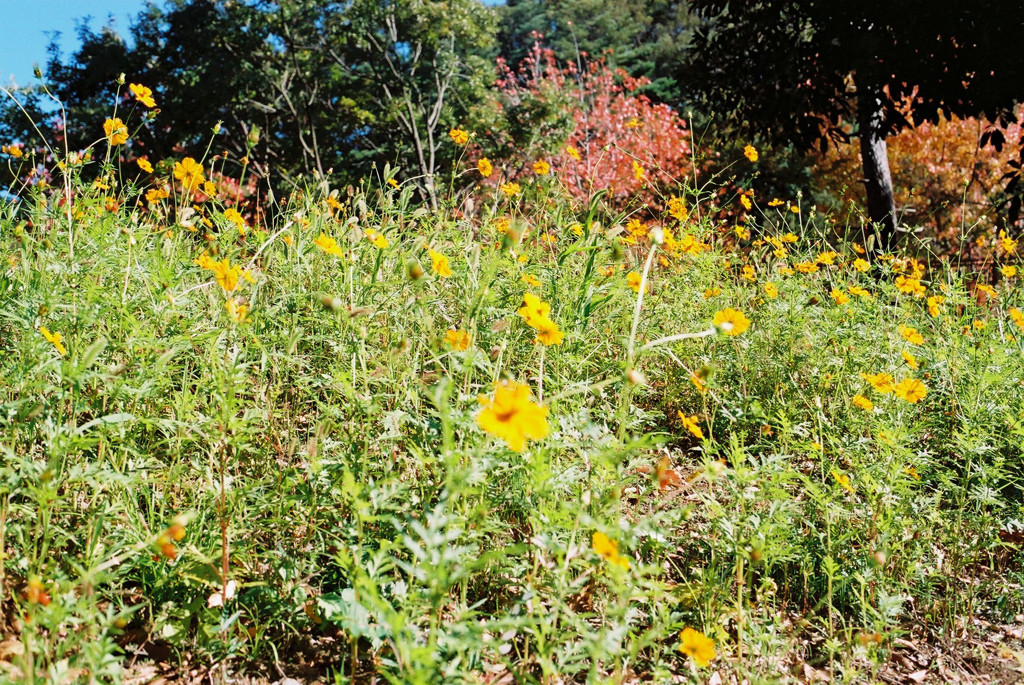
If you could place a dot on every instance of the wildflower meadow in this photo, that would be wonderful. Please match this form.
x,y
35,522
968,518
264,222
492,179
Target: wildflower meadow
x,y
561,415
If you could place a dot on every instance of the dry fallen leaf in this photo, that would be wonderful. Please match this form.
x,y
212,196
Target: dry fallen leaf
x,y
918,676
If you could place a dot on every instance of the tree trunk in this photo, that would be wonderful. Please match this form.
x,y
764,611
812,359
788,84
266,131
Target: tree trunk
x,y
874,157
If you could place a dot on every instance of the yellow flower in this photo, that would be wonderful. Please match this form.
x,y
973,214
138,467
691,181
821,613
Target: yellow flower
x,y
638,171
807,267
776,202
910,286
236,312
548,332
911,335
677,209
747,273
911,390
826,258
512,416
910,359
142,94
750,153
235,217
1008,271
861,265
843,480
789,238
375,237
771,290
608,549
393,183
696,646
510,189
712,292
863,402
1008,244
144,165
485,167
13,151
531,280
54,339
840,297
859,292
731,321
116,131
439,262
572,152
227,275
633,281
795,209
154,195
698,383
690,424
1017,317
978,325
189,173
636,228
882,382
329,245
745,201
533,308
458,136
457,339
541,168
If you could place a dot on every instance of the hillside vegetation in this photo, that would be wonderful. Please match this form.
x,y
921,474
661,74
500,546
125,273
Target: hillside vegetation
x,y
519,439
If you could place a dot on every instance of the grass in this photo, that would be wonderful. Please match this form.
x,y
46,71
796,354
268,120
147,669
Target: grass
x,y
306,482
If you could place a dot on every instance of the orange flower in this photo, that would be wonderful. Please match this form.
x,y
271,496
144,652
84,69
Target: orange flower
x,y
485,167
458,136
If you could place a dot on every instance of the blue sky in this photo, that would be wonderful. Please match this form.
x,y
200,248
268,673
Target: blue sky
x,y
26,24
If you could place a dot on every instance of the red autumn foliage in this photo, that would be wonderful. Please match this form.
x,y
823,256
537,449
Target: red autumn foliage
x,y
944,180
595,128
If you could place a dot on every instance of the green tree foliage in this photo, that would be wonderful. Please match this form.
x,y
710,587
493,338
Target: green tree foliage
x,y
334,86
421,67
800,71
